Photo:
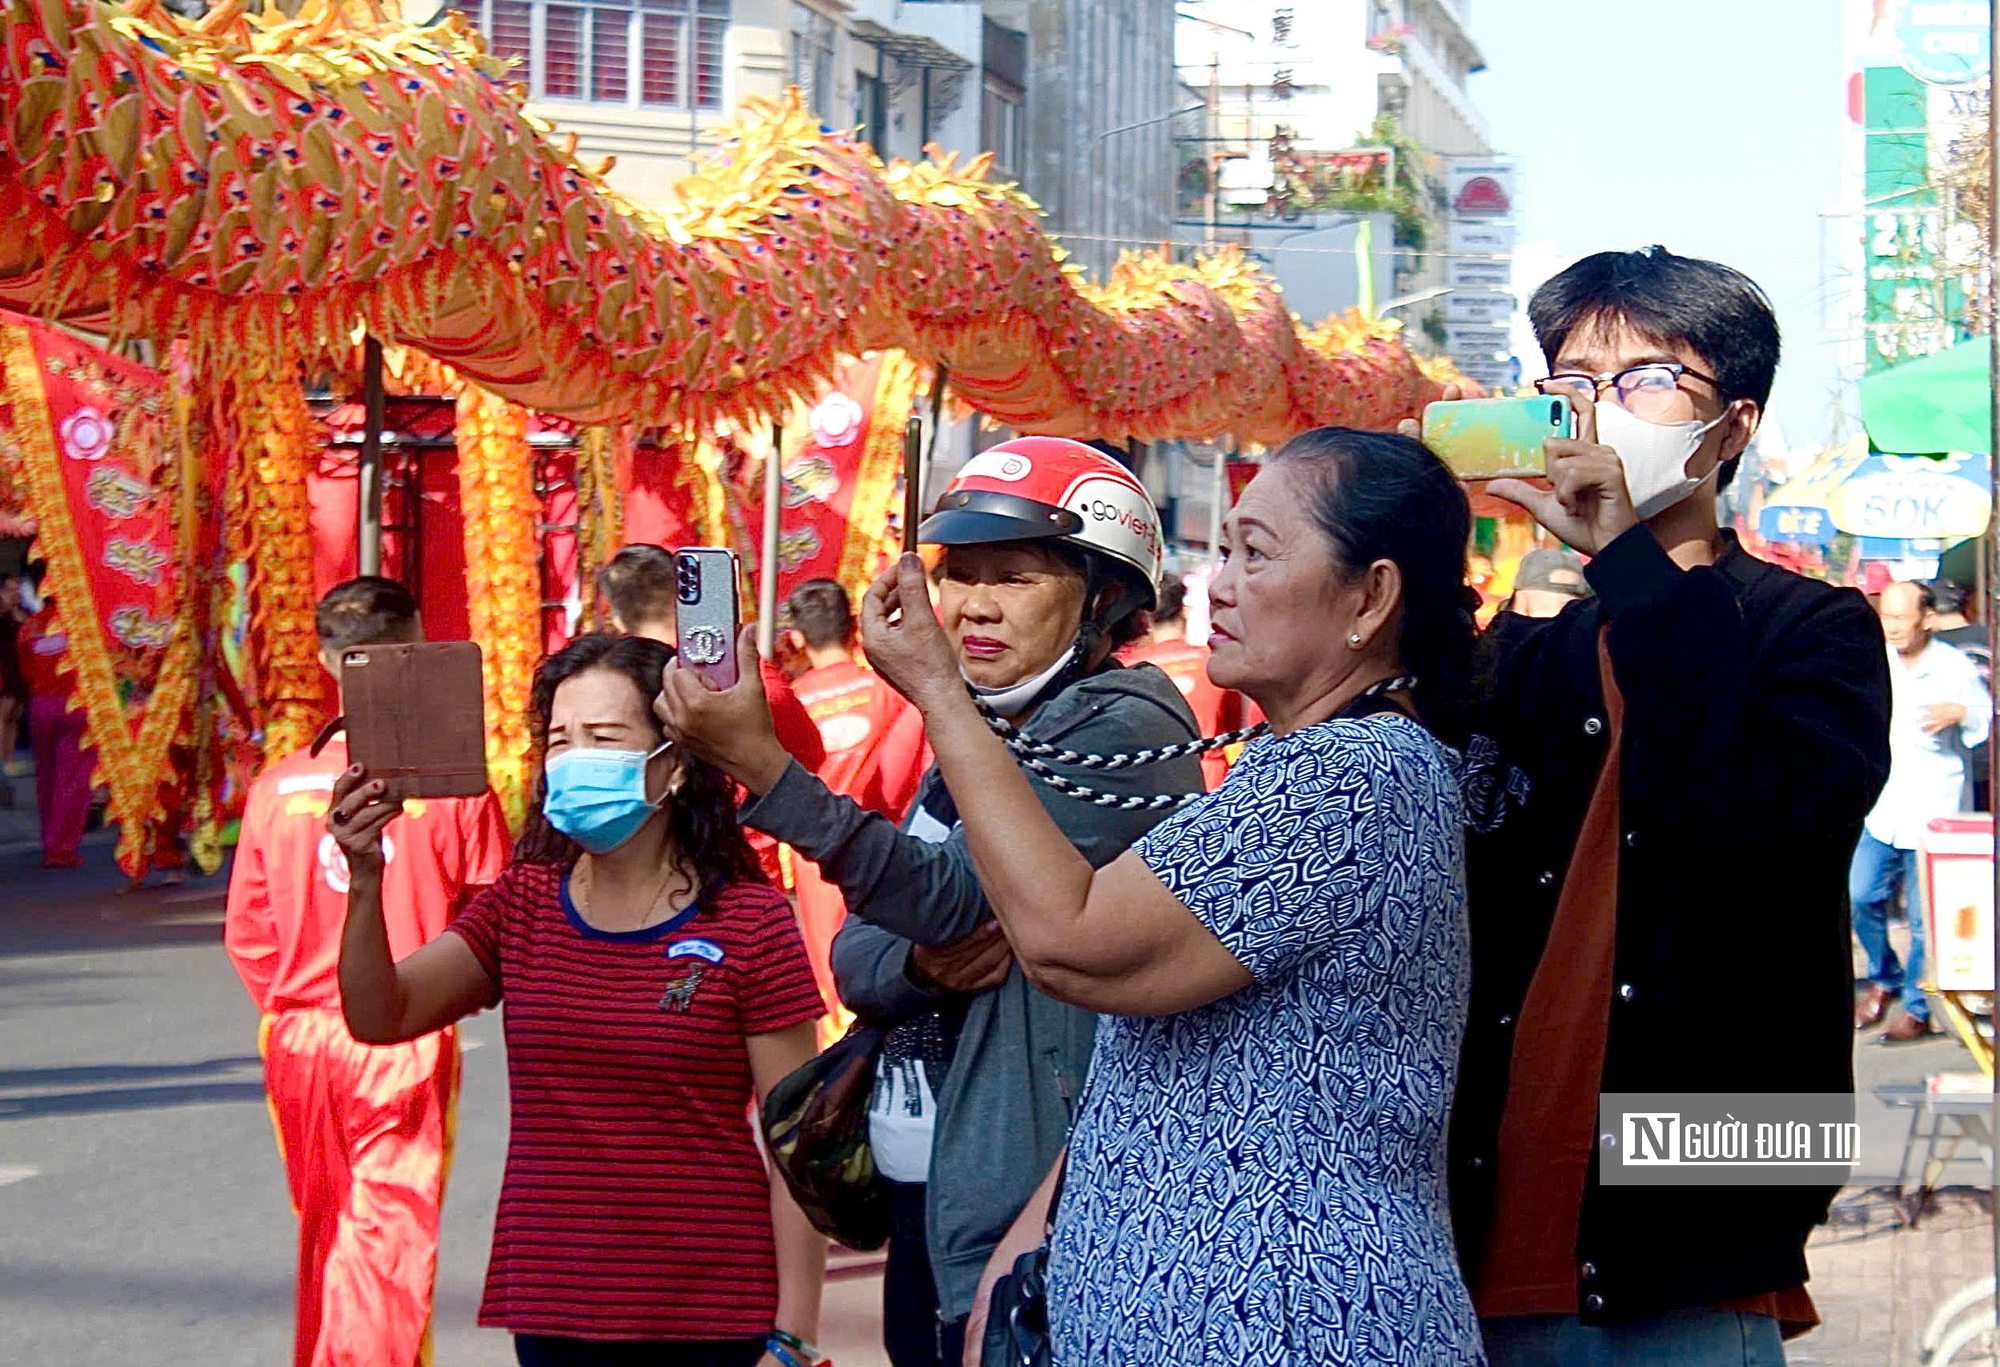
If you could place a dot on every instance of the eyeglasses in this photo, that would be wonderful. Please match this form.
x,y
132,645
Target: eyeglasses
x,y
1644,391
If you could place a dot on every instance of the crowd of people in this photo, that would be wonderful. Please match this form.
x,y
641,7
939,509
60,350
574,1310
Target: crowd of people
x,y
1293,1059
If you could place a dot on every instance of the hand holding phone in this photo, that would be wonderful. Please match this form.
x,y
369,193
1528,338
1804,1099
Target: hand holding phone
x,y
1481,439
416,717
730,728
707,613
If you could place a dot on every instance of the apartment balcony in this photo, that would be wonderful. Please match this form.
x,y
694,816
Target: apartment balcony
x,y
1417,66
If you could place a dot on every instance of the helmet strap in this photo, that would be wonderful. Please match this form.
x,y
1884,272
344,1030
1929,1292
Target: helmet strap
x,y
1019,698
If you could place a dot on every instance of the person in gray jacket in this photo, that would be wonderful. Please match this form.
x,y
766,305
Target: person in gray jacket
x,y
1052,554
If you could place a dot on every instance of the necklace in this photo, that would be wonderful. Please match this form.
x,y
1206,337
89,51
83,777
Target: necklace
x,y
582,897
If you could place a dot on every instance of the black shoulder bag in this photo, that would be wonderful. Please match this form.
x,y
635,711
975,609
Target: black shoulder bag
x,y
816,1126
1017,1318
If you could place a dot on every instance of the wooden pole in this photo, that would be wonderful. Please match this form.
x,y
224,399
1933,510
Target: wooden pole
x,y
767,569
368,515
913,480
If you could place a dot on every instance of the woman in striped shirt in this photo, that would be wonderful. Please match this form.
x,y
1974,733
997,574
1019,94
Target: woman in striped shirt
x,y
652,978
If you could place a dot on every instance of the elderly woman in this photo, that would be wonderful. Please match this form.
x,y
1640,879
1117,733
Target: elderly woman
x,y
1051,551
1257,1171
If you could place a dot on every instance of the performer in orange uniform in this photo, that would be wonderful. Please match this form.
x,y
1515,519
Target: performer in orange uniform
x,y
854,711
851,707
638,585
365,1131
1186,663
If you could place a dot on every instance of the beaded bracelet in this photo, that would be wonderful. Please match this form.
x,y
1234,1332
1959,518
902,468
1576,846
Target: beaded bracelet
x,y
790,1350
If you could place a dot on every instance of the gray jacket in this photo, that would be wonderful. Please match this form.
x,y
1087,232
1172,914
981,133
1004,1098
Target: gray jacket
x,y
1005,1108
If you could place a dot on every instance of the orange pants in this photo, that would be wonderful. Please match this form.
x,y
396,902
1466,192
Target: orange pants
x,y
366,1134
822,911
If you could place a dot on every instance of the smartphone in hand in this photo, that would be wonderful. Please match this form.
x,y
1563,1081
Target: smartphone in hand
x,y
707,612
416,717
1497,438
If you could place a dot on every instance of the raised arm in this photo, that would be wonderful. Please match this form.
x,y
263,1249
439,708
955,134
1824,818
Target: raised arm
x,y
926,892
1111,939
384,1001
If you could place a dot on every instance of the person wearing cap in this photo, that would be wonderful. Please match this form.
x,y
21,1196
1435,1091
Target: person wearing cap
x,y
1548,581
1051,552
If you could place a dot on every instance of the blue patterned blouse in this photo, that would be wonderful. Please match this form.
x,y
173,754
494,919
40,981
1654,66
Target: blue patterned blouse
x,y
1261,1180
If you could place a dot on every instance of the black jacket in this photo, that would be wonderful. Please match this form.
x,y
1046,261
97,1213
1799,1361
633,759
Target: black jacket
x,y
1756,738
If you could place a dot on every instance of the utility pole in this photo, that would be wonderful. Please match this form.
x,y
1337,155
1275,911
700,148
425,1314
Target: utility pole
x,y
1211,135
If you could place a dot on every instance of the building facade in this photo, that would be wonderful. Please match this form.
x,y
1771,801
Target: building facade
x,y
1292,86
1072,97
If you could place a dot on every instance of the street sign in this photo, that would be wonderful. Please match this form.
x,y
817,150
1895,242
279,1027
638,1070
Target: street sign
x,y
1794,522
1915,496
1477,341
1479,187
1945,42
1490,374
1479,238
1490,308
1479,272
1908,313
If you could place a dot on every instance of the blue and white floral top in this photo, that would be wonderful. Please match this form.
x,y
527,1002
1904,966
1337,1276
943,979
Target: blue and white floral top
x,y
1261,1180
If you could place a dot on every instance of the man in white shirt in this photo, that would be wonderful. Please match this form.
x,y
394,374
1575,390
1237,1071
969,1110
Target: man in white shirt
x,y
1939,712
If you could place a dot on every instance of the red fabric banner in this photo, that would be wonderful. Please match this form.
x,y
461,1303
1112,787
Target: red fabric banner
x,y
843,458
98,450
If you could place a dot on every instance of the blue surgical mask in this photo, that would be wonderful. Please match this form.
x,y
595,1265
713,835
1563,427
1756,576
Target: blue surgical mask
x,y
598,797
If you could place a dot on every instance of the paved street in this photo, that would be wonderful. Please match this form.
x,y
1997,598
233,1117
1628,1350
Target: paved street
x,y
142,1207
143,1216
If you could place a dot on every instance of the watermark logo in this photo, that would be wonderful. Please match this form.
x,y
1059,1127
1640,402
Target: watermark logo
x,y
1778,1138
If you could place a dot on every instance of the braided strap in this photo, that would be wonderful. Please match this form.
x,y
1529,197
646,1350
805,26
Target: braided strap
x,y
1135,802
1036,756
1025,748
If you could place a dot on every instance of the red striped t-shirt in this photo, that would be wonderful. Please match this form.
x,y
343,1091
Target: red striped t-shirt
x,y
635,1204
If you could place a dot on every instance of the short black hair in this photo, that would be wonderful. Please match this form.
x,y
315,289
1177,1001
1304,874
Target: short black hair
x,y
368,611
1173,600
1948,596
820,611
1715,311
638,582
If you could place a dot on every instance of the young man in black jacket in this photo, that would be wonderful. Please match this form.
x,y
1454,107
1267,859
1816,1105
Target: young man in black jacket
x,y
1669,781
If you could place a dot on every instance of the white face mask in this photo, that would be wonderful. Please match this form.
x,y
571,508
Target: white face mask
x,y
1655,456
1017,698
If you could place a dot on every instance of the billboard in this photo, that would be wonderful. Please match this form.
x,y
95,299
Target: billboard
x,y
1489,307
1478,272
1479,187
1479,268
1468,342
1479,237
1492,375
1945,42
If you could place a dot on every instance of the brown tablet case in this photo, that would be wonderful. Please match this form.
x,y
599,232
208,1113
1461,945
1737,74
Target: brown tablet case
x,y
416,717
